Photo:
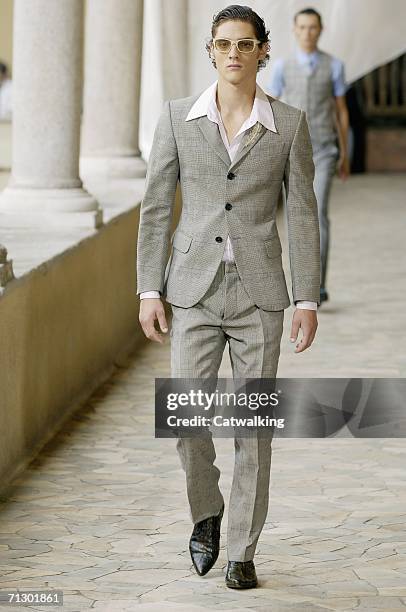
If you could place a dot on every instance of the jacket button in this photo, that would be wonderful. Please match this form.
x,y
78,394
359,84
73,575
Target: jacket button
x,y
230,176
228,206
219,239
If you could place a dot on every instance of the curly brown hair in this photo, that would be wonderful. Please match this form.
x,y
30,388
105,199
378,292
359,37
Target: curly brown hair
x,y
240,13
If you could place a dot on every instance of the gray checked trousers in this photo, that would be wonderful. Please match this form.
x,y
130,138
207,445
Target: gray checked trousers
x,y
325,162
199,334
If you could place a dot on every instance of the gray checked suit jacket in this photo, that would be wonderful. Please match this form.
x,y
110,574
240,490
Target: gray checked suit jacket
x,y
220,198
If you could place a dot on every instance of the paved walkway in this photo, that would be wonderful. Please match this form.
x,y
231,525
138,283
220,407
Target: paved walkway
x,y
102,514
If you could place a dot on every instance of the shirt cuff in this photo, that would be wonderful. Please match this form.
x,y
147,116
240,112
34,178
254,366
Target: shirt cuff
x,y
306,305
149,294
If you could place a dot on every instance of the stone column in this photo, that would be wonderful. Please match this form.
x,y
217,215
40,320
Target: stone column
x,y
6,268
175,54
45,187
113,46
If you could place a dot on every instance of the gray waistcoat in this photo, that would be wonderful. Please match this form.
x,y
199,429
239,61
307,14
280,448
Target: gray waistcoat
x,y
312,93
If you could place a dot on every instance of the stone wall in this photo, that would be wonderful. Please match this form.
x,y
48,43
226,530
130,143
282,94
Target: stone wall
x,y
64,326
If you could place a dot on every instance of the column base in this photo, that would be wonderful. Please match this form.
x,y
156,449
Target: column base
x,y
112,167
24,207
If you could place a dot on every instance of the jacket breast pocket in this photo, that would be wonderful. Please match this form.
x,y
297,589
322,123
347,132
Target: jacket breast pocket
x,y
273,150
182,241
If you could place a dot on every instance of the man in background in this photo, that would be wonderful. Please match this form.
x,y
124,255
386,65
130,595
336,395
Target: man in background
x,y
5,93
313,81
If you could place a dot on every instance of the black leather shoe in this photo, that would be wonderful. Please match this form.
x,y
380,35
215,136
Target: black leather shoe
x,y
241,575
204,543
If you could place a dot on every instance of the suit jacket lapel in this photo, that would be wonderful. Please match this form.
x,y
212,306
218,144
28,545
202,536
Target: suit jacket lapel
x,y
211,133
250,139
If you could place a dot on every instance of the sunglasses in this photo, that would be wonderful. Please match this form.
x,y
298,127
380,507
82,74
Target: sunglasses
x,y
244,45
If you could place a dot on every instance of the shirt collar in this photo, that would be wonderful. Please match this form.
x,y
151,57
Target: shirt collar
x,y
304,58
261,109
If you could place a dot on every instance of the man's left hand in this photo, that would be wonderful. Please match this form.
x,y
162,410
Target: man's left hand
x,y
306,320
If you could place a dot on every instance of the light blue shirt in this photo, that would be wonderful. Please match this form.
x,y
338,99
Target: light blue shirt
x,y
277,82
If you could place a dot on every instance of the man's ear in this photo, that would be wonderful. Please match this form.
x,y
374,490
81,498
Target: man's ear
x,y
265,48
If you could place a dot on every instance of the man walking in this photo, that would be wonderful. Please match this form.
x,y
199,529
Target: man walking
x,y
231,147
313,81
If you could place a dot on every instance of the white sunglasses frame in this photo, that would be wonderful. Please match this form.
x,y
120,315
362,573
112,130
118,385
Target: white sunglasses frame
x,y
232,41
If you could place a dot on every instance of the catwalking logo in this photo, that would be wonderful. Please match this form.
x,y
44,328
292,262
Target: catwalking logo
x,y
221,421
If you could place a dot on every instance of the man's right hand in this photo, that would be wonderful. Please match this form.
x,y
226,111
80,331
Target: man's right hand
x,y
151,309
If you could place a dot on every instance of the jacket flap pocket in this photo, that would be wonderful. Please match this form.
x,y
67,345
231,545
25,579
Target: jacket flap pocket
x,y
273,247
182,241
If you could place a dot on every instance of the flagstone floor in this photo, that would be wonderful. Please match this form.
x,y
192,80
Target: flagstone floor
x,y
101,513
